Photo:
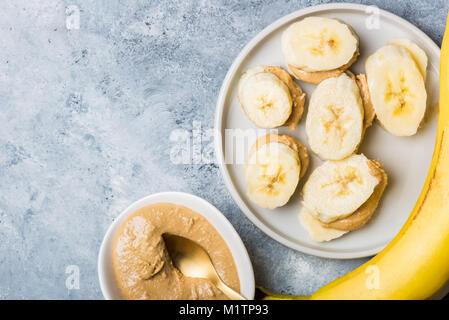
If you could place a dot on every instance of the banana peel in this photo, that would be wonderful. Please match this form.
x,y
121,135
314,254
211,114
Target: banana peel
x,y
415,264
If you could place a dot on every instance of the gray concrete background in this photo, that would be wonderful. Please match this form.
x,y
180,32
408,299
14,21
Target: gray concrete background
x,y
85,121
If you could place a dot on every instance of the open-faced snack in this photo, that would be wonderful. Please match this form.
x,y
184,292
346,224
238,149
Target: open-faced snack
x,y
315,229
318,48
397,87
336,117
274,166
270,97
341,195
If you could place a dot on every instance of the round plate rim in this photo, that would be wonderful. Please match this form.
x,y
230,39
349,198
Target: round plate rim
x,y
218,123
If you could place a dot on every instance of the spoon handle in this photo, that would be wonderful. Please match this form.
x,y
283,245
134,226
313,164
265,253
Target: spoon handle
x,y
230,293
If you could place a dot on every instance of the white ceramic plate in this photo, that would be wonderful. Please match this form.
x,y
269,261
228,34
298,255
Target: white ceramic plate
x,y
106,275
405,159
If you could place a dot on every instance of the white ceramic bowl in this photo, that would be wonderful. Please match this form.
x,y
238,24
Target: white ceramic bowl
x,y
106,275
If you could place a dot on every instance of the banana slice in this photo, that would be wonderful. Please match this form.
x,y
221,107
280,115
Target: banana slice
x,y
317,44
298,96
273,169
417,53
272,175
364,213
335,120
338,188
270,97
397,90
314,228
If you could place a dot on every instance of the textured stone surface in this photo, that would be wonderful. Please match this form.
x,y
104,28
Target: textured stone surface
x,y
86,117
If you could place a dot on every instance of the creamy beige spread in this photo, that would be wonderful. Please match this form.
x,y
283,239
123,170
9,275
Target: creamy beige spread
x,y
368,107
143,267
315,77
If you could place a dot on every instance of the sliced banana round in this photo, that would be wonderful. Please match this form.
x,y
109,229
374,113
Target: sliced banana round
x,y
397,90
270,97
265,98
274,166
417,53
319,44
298,96
334,124
315,229
272,174
364,213
336,189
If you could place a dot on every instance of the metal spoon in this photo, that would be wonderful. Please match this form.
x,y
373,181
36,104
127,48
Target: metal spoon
x,y
193,261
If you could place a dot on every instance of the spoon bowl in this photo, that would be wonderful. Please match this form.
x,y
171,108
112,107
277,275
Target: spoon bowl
x,y
194,262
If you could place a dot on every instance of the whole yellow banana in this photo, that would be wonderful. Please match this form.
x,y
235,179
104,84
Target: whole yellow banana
x,y
415,265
